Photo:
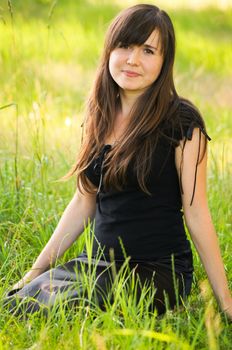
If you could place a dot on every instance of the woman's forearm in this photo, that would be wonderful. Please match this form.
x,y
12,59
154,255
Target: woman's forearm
x,y
206,242
70,226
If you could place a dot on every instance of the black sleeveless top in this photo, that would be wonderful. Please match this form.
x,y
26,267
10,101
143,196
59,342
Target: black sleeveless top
x,y
135,224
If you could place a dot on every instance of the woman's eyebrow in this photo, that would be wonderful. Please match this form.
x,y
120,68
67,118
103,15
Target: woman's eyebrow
x,y
150,47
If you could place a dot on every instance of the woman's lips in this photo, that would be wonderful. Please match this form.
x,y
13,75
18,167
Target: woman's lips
x,y
131,74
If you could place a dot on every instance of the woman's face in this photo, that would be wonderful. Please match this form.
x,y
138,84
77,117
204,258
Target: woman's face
x,y
134,68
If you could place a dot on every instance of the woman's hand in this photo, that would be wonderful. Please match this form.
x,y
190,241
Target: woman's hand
x,y
30,275
20,284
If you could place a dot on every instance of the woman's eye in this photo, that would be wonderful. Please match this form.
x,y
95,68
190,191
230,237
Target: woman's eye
x,y
149,51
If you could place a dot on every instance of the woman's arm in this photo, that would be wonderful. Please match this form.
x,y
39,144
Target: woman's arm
x,y
72,223
198,218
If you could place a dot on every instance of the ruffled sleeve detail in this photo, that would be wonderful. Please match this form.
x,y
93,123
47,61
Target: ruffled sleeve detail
x,y
187,135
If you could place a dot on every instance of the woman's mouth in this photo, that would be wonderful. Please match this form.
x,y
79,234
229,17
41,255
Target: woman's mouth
x,y
131,74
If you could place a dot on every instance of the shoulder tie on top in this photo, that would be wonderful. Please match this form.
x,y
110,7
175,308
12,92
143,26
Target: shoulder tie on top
x,y
189,135
190,131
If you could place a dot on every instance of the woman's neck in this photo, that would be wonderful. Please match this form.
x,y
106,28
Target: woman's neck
x,y
128,100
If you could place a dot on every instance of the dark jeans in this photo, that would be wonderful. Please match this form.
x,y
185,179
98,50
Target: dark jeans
x,y
68,283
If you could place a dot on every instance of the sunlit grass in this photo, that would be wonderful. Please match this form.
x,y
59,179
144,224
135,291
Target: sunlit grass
x,y
47,65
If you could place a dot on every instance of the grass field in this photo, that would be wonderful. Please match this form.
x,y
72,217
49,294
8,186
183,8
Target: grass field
x,y
48,55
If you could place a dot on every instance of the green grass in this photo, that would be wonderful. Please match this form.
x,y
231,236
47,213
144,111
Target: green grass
x,y
47,63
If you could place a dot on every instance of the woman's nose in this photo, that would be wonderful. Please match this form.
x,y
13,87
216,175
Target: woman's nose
x,y
133,56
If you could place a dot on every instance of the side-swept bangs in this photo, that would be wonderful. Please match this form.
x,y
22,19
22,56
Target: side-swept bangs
x,y
134,26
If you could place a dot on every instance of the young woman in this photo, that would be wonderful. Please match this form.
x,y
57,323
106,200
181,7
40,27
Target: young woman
x,y
142,160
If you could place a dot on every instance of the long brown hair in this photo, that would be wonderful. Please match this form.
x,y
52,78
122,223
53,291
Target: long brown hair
x,y
160,101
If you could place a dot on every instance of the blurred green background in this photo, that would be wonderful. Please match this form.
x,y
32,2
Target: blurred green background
x,y
49,51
